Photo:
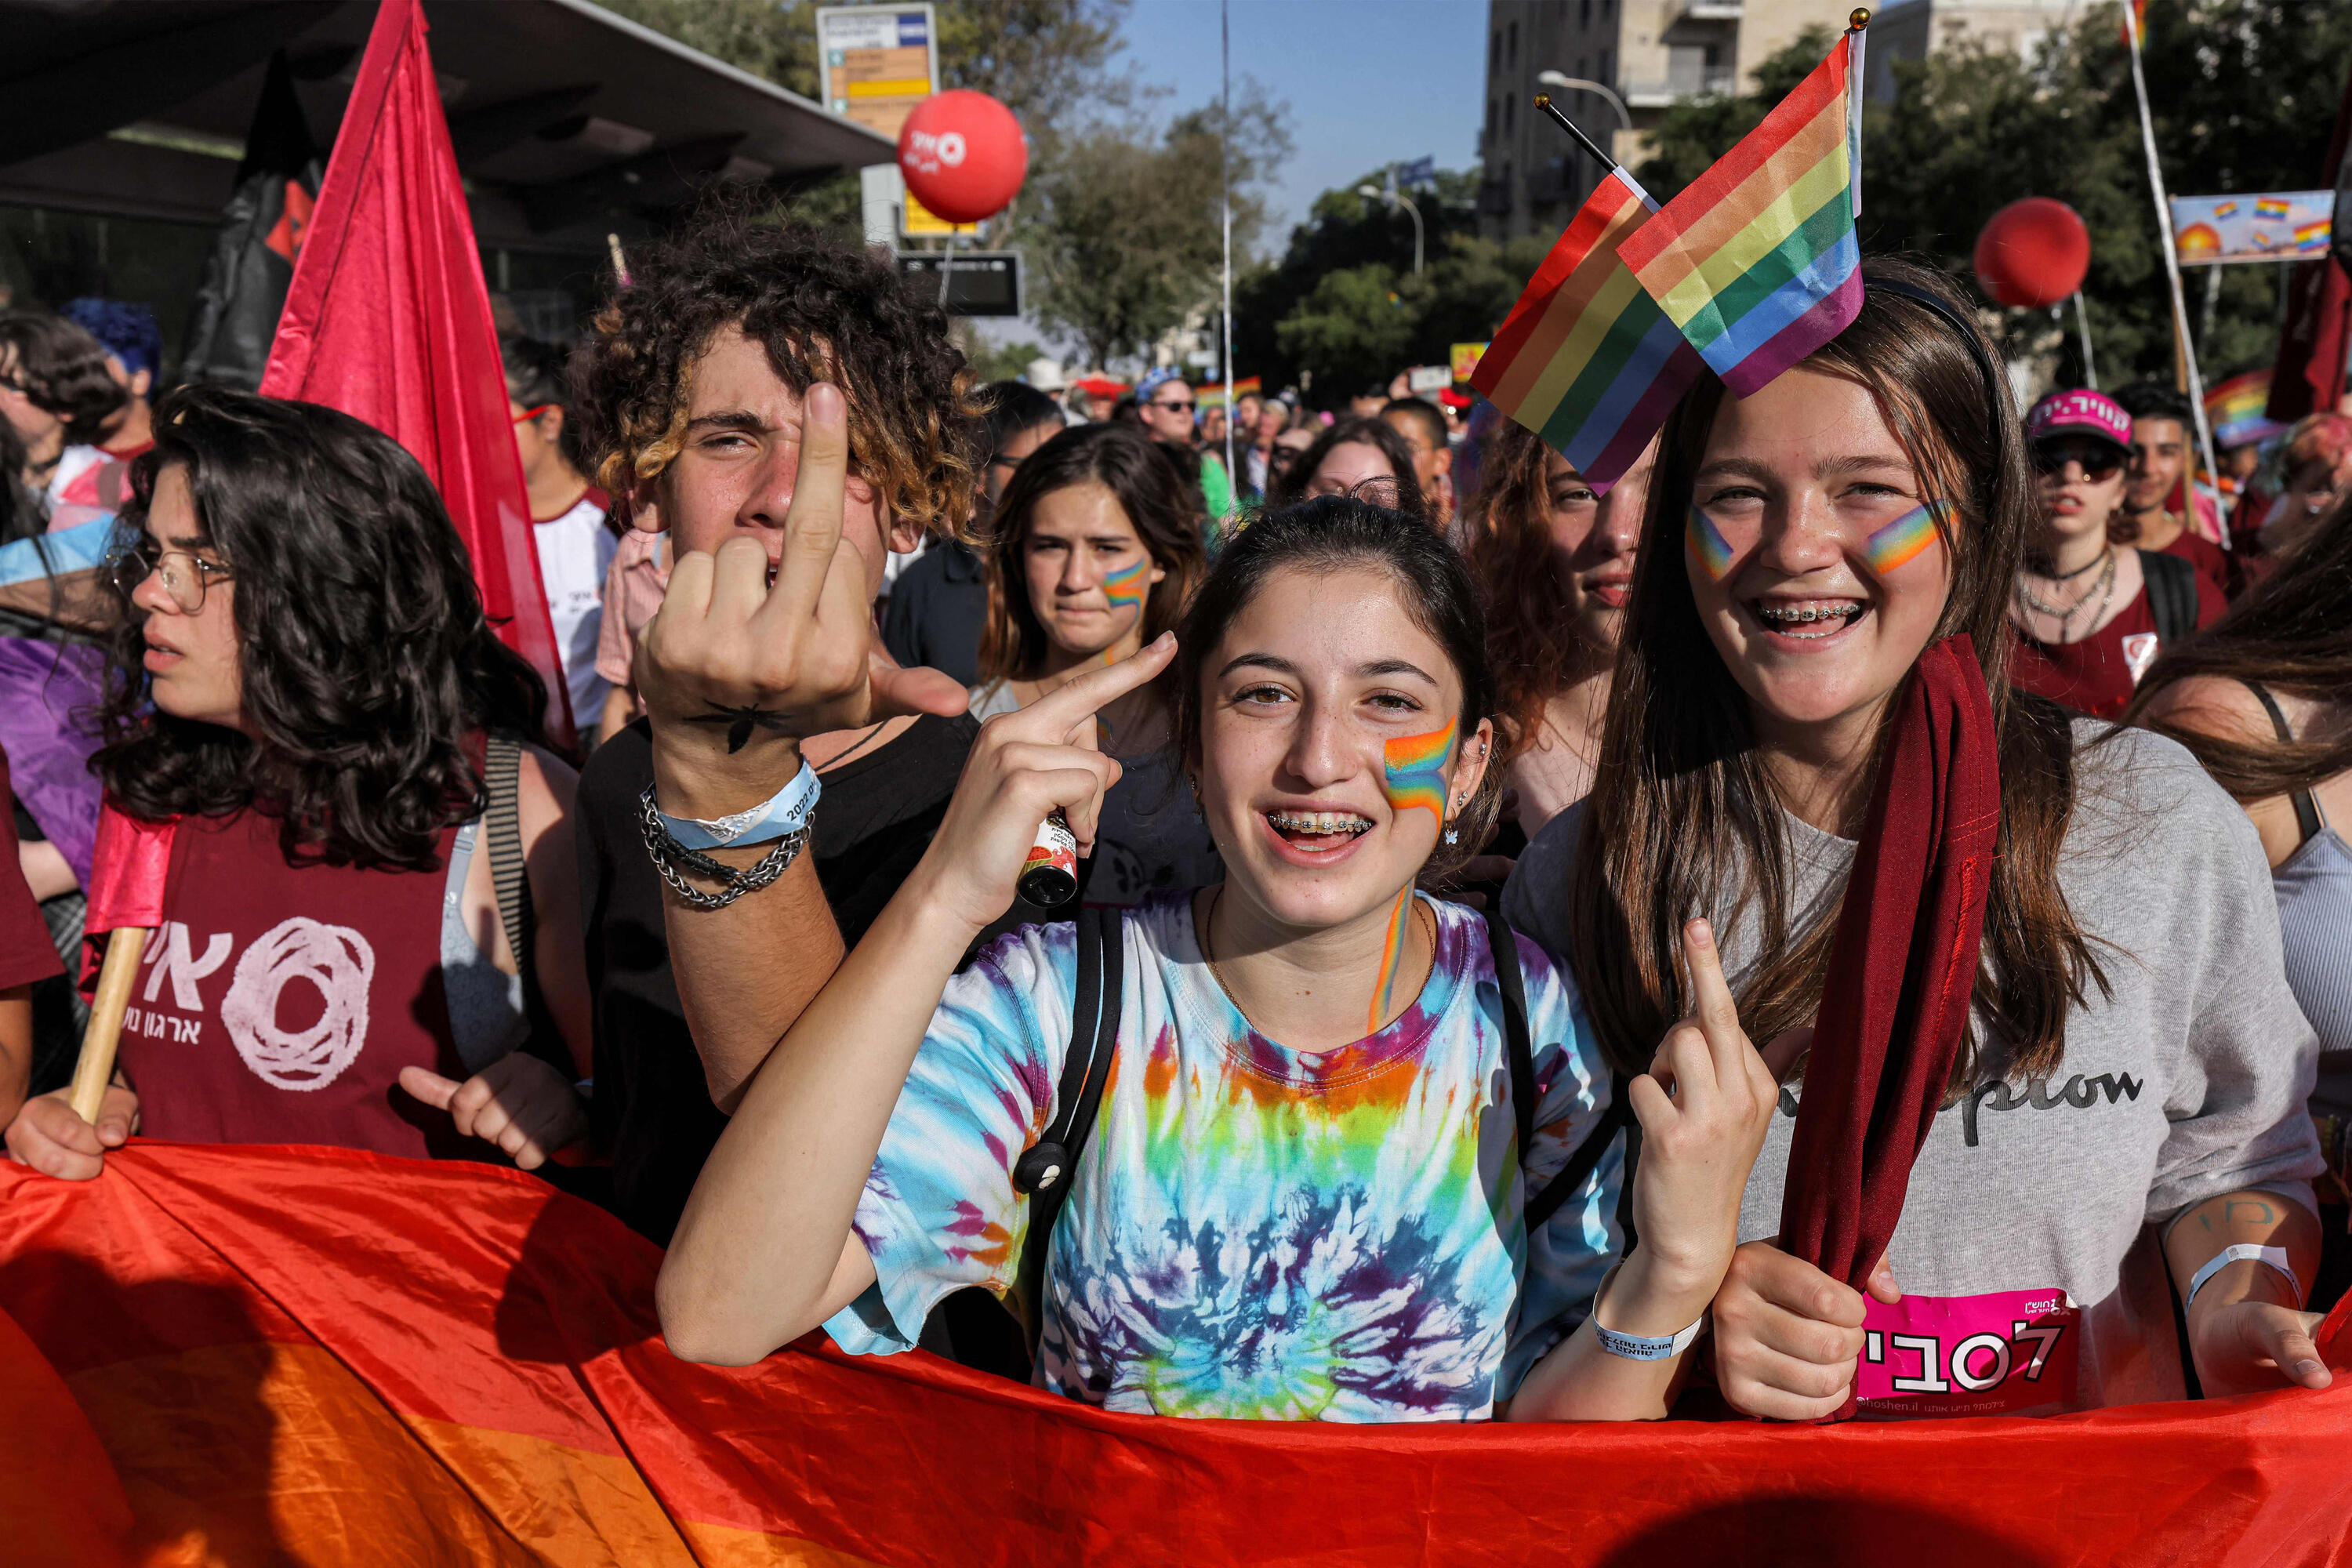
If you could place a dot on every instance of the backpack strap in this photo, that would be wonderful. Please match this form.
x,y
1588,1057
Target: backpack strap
x,y
1543,1202
502,835
2307,820
2171,595
1046,1167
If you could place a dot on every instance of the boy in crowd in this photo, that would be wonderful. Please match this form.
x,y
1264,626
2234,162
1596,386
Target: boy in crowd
x,y
712,379
2163,434
1422,424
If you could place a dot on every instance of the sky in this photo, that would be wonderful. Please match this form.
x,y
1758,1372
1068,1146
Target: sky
x,y
1365,81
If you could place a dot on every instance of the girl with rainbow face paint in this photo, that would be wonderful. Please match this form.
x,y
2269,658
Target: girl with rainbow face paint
x,y
1311,1059
1094,552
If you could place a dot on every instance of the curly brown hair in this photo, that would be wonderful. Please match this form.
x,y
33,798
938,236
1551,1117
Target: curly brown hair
x,y
825,309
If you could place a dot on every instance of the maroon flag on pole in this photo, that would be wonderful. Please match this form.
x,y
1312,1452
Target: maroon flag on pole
x,y
2309,375
388,319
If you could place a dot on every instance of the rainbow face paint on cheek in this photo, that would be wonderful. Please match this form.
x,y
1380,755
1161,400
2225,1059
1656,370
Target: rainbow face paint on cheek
x,y
1707,546
1901,542
1126,587
1415,772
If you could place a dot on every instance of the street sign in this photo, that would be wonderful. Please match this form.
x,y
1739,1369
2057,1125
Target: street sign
x,y
878,62
921,222
980,282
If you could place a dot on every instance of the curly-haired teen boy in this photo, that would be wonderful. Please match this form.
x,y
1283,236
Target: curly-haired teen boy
x,y
721,387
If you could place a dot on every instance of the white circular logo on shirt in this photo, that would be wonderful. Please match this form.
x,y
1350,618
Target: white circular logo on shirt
x,y
339,962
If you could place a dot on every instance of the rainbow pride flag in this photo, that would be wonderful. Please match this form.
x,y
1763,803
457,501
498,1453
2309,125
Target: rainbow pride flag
x,y
2237,410
1586,359
1757,262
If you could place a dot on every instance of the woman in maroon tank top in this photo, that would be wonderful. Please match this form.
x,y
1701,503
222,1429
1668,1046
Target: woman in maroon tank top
x,y
306,681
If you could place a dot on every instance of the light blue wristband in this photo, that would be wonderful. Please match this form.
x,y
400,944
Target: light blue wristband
x,y
784,813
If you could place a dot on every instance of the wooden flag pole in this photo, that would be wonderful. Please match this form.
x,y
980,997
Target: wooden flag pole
x,y
1544,102
2185,353
94,1069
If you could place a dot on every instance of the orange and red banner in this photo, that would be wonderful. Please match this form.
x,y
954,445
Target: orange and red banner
x,y
266,1356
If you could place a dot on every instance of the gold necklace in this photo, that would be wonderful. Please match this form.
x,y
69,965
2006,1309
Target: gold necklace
x,y
1425,921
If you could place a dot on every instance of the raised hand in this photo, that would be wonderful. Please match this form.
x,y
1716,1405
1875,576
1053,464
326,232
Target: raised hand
x,y
1023,766
734,672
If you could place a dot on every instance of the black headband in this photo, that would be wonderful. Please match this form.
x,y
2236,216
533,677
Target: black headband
x,y
1995,382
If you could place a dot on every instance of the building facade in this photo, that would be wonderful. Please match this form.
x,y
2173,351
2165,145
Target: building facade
x,y
1647,53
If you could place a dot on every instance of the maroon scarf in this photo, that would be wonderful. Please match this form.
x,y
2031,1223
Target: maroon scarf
x,y
1897,998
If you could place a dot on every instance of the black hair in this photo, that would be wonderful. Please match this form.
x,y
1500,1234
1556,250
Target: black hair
x,y
1015,406
369,670
63,369
539,373
1150,488
1426,413
1290,487
2153,400
1339,533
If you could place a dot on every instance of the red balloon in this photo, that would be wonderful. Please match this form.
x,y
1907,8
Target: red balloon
x,y
963,154
2033,252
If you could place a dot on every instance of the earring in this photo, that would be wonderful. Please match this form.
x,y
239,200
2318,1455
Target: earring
x,y
1454,835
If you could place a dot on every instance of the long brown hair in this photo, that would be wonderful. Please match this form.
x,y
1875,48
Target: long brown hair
x,y
1150,491
1289,487
1682,802
1531,637
2291,633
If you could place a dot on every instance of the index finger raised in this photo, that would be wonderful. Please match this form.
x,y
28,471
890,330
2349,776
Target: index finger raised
x,y
1064,707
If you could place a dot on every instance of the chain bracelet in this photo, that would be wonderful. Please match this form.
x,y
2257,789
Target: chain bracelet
x,y
669,854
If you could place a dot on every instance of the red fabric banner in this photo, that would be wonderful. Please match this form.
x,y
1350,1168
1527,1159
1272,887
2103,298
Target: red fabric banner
x,y
1895,1001
2317,332
388,319
330,1356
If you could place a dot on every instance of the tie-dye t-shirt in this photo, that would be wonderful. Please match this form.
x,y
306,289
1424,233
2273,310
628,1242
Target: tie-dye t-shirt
x,y
1251,1231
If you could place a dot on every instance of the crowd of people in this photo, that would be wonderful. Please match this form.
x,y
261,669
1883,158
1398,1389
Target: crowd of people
x,y
1459,847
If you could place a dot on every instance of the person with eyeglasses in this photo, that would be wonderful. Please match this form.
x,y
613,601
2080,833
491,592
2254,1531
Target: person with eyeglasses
x,y
1164,402
2090,615
303,681
571,519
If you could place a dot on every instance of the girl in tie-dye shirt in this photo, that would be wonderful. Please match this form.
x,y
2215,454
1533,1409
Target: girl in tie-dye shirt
x,y
1303,1198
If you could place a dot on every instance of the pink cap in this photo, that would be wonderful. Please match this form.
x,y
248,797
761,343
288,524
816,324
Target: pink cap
x,y
2081,412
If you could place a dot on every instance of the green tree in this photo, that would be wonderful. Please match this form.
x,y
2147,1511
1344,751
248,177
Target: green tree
x,y
1122,224
1042,58
2243,93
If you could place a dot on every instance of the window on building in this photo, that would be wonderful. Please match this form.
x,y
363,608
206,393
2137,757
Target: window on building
x,y
1490,120
1584,15
1511,49
1494,54
1582,62
1605,78
1510,115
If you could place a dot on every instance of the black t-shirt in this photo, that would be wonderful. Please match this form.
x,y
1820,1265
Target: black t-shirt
x,y
937,609
651,1111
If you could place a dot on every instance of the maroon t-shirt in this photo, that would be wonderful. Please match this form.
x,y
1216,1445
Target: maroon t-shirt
x,y
26,953
278,1004
2097,675
2218,565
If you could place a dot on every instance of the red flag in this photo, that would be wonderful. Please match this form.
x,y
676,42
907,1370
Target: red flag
x,y
2312,340
387,318
325,1356
1897,996
126,875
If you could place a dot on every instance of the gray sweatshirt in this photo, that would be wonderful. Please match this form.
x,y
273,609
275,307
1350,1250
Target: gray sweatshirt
x,y
2187,1082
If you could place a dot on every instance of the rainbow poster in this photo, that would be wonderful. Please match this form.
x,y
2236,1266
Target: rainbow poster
x,y
2284,226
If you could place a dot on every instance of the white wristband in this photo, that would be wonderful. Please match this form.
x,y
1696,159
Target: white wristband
x,y
1639,1347
2245,1252
784,813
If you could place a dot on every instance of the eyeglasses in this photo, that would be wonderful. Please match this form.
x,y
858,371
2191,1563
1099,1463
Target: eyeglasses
x,y
184,576
530,413
2096,461
1183,407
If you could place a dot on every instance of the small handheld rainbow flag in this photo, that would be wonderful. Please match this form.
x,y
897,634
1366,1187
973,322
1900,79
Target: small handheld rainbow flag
x,y
1757,262
1586,359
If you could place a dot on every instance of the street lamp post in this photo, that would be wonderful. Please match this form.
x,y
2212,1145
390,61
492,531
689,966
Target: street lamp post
x,y
1398,198
1560,82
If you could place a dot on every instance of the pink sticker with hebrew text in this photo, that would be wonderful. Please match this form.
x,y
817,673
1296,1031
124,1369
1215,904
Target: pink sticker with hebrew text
x,y
1969,1356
